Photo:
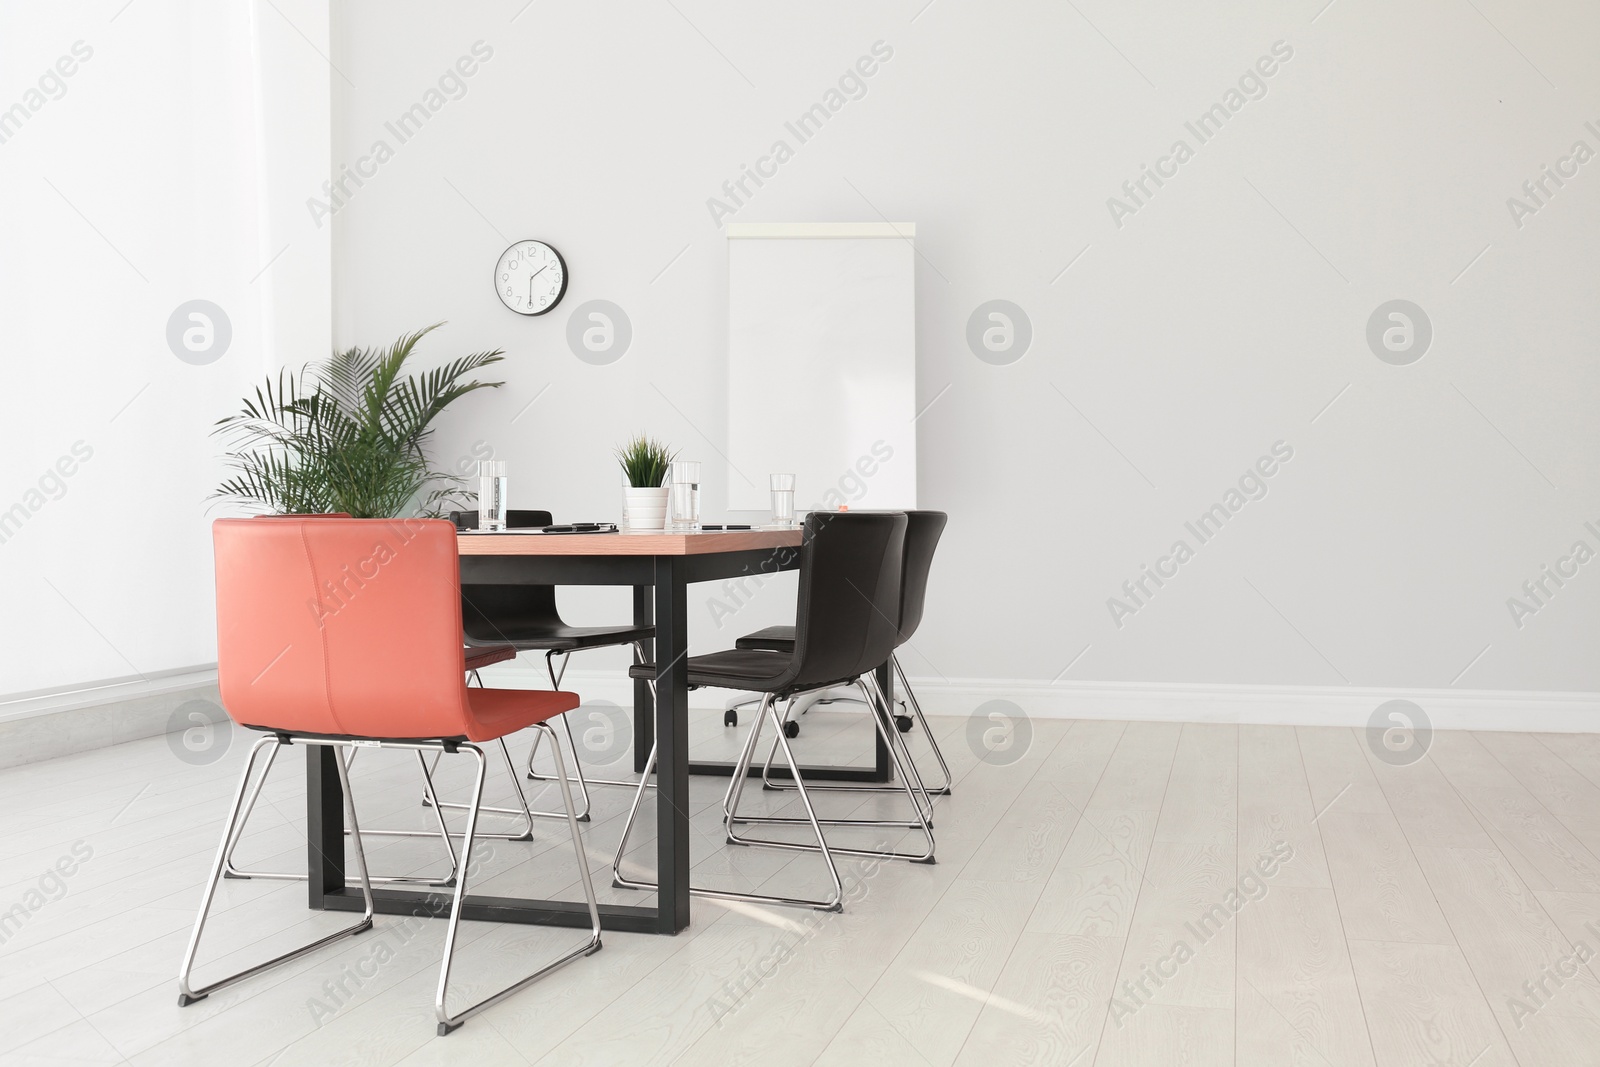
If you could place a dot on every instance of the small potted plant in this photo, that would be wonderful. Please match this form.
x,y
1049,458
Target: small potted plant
x,y
645,462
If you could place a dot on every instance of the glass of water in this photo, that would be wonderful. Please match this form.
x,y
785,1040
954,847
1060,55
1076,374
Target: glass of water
x,y
782,486
492,495
685,482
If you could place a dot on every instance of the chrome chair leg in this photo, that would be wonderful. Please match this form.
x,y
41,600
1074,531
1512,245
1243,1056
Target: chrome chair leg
x,y
746,754
231,869
523,812
583,781
449,1022
430,799
741,772
556,675
874,700
893,735
907,775
933,742
617,881
566,724
879,701
924,801
188,993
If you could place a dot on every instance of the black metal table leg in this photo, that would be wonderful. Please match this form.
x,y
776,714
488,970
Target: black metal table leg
x,y
672,741
885,678
324,825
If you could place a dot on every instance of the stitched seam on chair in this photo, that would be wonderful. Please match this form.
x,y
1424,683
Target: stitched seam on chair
x,y
322,634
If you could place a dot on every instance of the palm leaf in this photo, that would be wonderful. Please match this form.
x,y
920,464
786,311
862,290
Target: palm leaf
x,y
347,434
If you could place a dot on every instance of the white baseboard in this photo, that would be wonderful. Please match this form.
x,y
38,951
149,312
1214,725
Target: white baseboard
x,y
1285,705
110,691
44,726
1282,705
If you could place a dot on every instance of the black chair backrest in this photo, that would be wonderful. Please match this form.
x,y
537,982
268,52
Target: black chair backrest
x,y
849,600
489,611
923,529
515,520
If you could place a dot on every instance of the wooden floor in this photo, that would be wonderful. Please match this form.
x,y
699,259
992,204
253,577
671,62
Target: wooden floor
x,y
1143,893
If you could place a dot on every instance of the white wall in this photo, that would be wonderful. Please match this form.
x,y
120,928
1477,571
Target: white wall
x,y
1221,317
170,166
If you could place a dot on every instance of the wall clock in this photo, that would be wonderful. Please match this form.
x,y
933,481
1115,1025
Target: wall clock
x,y
531,277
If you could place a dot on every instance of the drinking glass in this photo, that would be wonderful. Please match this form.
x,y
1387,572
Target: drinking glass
x,y
492,495
782,486
685,481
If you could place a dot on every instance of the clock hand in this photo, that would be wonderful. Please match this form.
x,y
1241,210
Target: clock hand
x,y
540,271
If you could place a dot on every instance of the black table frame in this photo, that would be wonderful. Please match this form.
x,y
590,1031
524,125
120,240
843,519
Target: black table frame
x,y
660,598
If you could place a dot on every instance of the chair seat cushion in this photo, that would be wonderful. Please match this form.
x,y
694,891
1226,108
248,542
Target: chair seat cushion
x,y
559,637
738,668
505,711
476,656
772,639
734,669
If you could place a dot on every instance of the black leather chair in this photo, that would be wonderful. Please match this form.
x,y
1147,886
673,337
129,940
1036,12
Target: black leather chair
x,y
849,597
923,530
525,617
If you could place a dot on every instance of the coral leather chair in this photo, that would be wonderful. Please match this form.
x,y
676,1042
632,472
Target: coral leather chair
x,y
473,659
347,632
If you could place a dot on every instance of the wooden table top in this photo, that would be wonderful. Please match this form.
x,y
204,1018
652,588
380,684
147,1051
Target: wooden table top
x,y
513,543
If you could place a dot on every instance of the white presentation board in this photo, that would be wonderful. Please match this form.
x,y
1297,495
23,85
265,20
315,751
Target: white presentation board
x,y
822,364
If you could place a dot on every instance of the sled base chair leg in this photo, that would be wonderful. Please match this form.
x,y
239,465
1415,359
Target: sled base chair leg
x,y
910,783
767,713
231,869
523,812
922,721
448,1022
583,781
188,993
942,790
902,761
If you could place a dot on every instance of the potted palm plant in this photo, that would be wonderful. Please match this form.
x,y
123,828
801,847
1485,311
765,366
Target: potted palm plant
x,y
348,435
644,463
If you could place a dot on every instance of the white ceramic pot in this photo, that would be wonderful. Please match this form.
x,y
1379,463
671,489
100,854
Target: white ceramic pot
x,y
645,508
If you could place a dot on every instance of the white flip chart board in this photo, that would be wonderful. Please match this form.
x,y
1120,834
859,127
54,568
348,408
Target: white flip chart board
x,y
822,364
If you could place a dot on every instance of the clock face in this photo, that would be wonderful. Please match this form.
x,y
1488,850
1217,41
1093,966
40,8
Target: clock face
x,y
531,277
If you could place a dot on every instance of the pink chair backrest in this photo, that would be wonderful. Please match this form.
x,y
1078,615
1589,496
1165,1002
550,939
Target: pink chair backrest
x,y
341,626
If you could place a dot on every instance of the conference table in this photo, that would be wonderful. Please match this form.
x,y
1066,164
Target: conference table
x,y
659,567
